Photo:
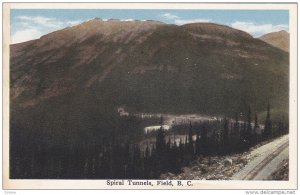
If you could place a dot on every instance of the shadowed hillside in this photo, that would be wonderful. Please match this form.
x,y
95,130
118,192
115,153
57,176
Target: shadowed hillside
x,y
148,66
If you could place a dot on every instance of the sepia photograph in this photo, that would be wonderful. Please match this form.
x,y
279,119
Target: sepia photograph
x,y
150,95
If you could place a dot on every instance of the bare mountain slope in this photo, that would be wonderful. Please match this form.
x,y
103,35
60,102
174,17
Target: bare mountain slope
x,y
279,39
148,66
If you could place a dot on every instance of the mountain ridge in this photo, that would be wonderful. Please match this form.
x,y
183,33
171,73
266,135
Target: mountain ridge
x,y
147,66
280,39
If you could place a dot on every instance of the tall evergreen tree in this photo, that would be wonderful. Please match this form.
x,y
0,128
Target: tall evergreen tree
x,y
236,123
160,139
181,152
147,162
197,145
191,142
169,144
243,137
204,141
249,128
268,125
256,120
225,139
161,148
256,137
280,128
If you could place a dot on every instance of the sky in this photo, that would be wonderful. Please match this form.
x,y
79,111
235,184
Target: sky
x,y
28,24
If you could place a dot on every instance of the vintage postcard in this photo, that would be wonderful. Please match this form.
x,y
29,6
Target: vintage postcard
x,y
150,96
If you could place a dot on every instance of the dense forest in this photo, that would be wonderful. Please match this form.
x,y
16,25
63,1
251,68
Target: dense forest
x,y
119,154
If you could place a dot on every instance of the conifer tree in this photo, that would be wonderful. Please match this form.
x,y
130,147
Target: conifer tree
x,y
198,146
160,139
191,142
236,125
147,162
256,127
204,141
256,120
249,129
225,139
280,128
161,148
268,125
181,152
169,145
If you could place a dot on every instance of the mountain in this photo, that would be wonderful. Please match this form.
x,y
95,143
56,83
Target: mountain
x,y
279,39
76,77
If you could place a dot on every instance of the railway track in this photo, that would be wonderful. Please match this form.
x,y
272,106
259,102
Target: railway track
x,y
254,172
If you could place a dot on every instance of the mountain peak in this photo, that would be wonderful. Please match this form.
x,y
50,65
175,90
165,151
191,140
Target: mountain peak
x,y
121,29
279,39
283,31
215,29
113,20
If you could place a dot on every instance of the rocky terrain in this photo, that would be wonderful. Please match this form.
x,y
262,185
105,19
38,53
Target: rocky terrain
x,y
211,168
282,172
225,167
